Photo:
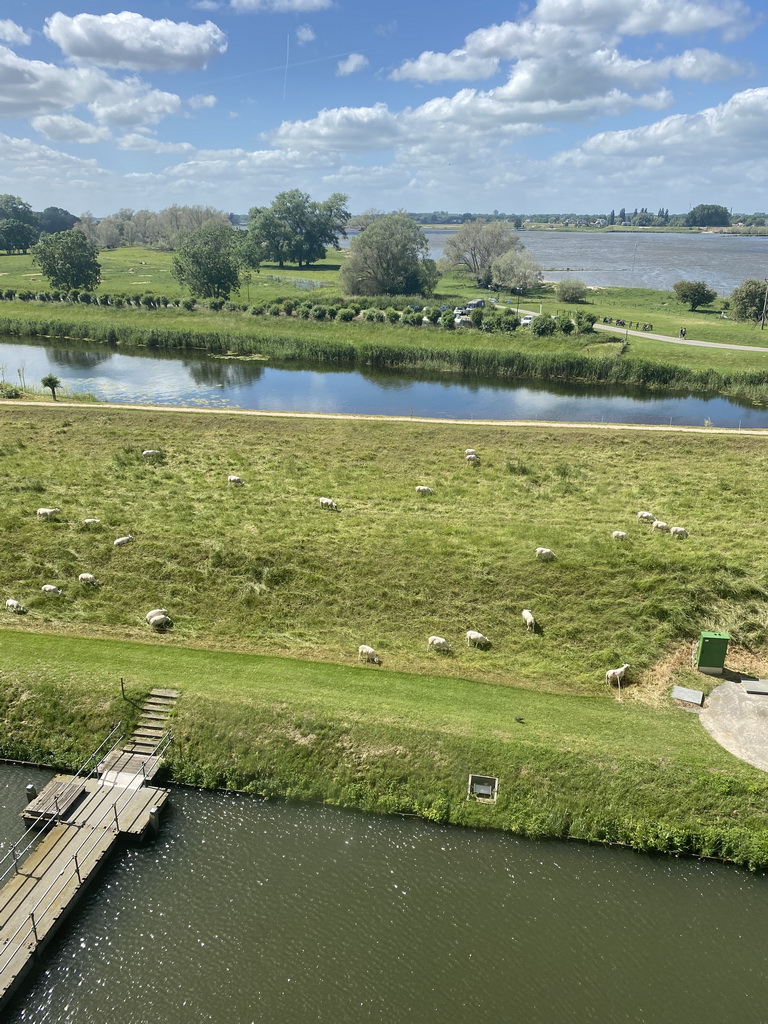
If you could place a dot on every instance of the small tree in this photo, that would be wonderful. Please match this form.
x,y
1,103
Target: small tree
x,y
695,293
391,257
748,300
543,326
51,381
68,260
208,261
571,290
517,271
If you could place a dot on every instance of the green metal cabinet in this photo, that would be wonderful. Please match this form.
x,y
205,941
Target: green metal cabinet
x,y
713,648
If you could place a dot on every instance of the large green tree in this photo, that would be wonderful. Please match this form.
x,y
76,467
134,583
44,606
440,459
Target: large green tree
x,y
391,257
68,260
14,208
707,215
695,293
296,228
208,261
748,300
54,218
476,244
16,236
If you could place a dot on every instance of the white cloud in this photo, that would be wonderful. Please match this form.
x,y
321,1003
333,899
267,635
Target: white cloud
x,y
10,32
132,102
66,128
29,87
35,162
344,128
201,102
354,62
207,5
305,34
630,17
139,142
438,67
280,6
128,40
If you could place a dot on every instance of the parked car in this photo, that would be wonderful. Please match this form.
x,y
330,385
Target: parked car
x,y
527,320
459,311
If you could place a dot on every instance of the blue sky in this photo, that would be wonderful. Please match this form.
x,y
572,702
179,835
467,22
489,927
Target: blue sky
x,y
562,105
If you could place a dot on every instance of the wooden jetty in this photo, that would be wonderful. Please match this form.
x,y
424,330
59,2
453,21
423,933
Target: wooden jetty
x,y
82,817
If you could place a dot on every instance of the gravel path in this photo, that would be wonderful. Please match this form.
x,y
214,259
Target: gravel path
x,y
738,721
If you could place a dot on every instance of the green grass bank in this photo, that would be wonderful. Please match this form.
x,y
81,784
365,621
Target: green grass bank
x,y
271,596
396,742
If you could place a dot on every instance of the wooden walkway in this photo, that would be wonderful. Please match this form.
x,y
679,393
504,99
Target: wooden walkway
x,y
82,818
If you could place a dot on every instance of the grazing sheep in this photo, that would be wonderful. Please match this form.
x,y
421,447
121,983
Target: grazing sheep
x,y
150,453
646,517
88,577
155,611
661,527
160,622
15,606
91,522
528,619
619,535
329,503
47,513
476,639
234,480
367,654
615,676
424,490
545,554
469,451
49,588
439,643
679,531
472,460
122,541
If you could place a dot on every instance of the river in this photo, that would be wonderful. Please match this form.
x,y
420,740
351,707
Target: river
x,y
165,378
244,911
637,260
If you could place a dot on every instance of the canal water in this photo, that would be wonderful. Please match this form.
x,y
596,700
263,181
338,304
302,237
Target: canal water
x,y
161,378
243,911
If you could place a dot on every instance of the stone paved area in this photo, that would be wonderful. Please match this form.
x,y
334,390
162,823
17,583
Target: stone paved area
x,y
739,722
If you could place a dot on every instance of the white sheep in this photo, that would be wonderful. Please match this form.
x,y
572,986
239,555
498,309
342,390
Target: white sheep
x,y
472,460
91,522
476,639
329,503
15,606
47,513
150,453
439,643
660,526
424,490
615,676
679,531
469,451
122,541
155,611
88,577
646,517
545,554
367,654
235,480
528,619
49,588
619,535
160,622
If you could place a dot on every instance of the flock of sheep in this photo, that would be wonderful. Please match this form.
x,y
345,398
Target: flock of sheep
x,y
160,620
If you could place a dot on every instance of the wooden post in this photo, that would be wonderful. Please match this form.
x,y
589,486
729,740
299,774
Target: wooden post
x,y
34,927
154,819
31,793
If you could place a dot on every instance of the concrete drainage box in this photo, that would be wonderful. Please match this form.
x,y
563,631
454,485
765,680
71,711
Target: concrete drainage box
x,y
484,788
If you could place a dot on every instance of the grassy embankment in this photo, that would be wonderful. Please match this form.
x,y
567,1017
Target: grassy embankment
x,y
599,358
259,571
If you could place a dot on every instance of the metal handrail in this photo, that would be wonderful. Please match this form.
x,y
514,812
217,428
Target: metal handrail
x,y
11,948
14,850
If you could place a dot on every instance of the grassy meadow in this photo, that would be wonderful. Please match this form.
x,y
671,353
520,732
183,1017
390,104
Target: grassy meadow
x,y
271,596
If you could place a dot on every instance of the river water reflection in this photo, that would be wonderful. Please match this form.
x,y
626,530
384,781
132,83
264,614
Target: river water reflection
x,y
246,911
169,379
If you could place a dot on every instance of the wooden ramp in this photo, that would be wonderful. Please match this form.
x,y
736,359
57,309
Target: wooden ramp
x,y
82,818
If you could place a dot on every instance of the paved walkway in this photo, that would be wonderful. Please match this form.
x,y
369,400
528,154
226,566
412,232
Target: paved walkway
x,y
739,722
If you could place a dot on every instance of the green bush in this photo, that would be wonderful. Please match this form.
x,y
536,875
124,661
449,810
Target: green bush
x,y
570,289
345,315
392,315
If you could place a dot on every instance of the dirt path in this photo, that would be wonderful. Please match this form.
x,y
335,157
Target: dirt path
x,y
554,424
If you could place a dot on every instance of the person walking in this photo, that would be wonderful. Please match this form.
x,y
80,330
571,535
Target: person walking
x,y
682,333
